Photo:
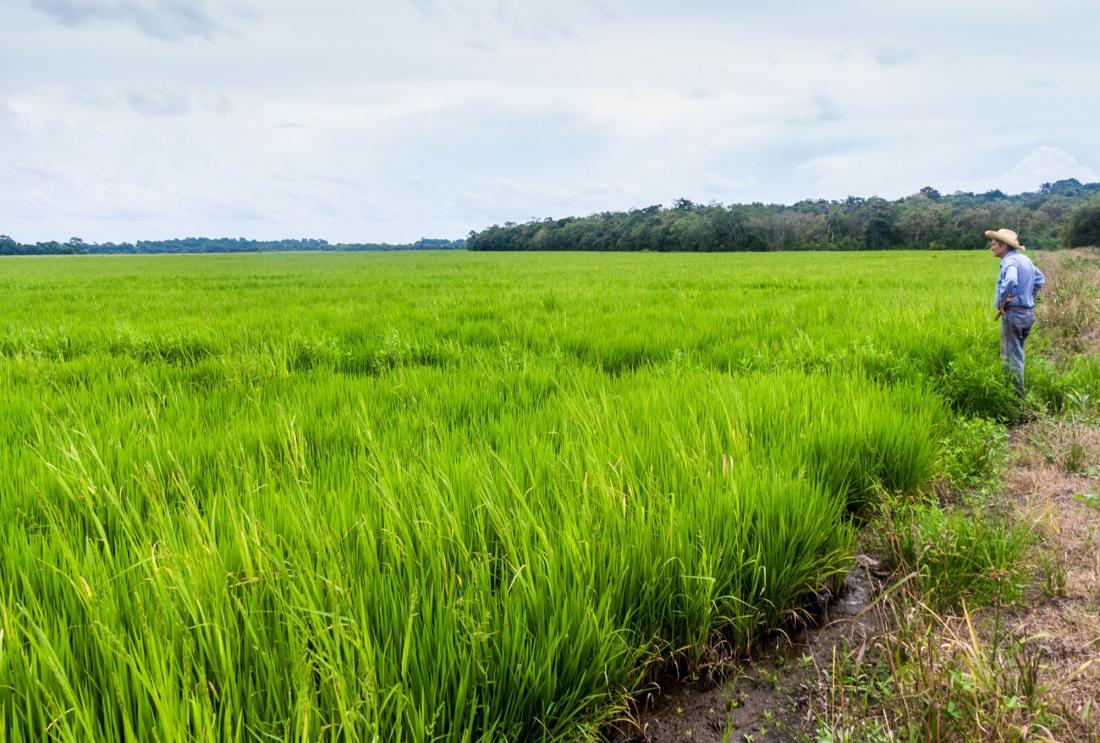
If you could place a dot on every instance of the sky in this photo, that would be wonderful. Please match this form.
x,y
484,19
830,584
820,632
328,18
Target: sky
x,y
391,120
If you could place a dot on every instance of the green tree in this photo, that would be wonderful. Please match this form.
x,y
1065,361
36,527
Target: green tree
x,y
1083,225
880,232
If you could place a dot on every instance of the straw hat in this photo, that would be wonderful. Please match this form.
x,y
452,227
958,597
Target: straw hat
x,y
1007,236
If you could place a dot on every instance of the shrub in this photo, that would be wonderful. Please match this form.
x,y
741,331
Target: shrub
x,y
1083,225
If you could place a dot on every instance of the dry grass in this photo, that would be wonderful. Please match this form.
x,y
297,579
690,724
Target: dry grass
x,y
1070,314
1056,483
1029,671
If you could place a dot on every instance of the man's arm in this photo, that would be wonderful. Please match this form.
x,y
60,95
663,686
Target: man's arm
x,y
1039,281
1007,286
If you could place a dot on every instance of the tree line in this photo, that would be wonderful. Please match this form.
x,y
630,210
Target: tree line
x,y
1065,212
922,221
76,246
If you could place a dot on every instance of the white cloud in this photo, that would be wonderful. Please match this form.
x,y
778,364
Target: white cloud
x,y
532,21
1042,165
891,56
843,174
819,109
8,116
394,119
727,188
161,19
157,102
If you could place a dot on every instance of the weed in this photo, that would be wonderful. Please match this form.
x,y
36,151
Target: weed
x,y
1090,499
1076,458
932,678
1074,306
1052,574
955,554
972,455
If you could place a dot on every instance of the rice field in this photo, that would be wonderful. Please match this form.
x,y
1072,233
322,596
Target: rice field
x,y
445,496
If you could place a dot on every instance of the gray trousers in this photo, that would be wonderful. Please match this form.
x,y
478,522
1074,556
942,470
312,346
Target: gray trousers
x,y
1015,328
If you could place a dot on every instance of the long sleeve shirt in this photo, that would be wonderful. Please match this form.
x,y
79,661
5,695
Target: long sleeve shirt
x,y
1018,282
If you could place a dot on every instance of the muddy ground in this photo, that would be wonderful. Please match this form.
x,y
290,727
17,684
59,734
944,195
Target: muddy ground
x,y
771,698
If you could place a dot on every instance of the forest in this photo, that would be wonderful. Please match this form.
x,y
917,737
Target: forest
x,y
1064,212
77,246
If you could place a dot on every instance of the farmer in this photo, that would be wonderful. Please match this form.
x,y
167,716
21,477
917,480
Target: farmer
x,y
1017,286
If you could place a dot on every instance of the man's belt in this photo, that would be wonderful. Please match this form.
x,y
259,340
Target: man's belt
x,y
1006,307
1003,308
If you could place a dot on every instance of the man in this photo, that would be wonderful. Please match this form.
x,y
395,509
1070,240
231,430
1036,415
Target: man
x,y
1017,286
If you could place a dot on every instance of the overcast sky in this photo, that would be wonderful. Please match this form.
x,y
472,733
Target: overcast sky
x,y
388,120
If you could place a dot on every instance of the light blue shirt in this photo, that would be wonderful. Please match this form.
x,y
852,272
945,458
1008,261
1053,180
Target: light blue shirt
x,y
1019,281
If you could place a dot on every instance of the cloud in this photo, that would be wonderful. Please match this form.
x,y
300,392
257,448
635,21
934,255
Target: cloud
x,y
7,113
385,120
89,96
1044,164
869,172
723,187
1040,84
168,20
12,126
157,102
836,174
499,199
892,56
820,109
533,21
700,94
38,173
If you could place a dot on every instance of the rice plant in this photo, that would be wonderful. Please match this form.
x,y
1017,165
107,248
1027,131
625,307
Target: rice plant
x,y
442,496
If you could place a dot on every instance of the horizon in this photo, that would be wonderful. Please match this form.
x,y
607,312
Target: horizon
x,y
150,119
533,219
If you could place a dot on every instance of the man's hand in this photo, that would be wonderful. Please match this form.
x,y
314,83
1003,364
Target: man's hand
x,y
1003,308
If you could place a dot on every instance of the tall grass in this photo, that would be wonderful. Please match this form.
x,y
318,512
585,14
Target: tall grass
x,y
460,497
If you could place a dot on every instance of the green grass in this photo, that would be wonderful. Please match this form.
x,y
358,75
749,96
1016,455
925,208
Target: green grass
x,y
972,456
443,496
960,555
